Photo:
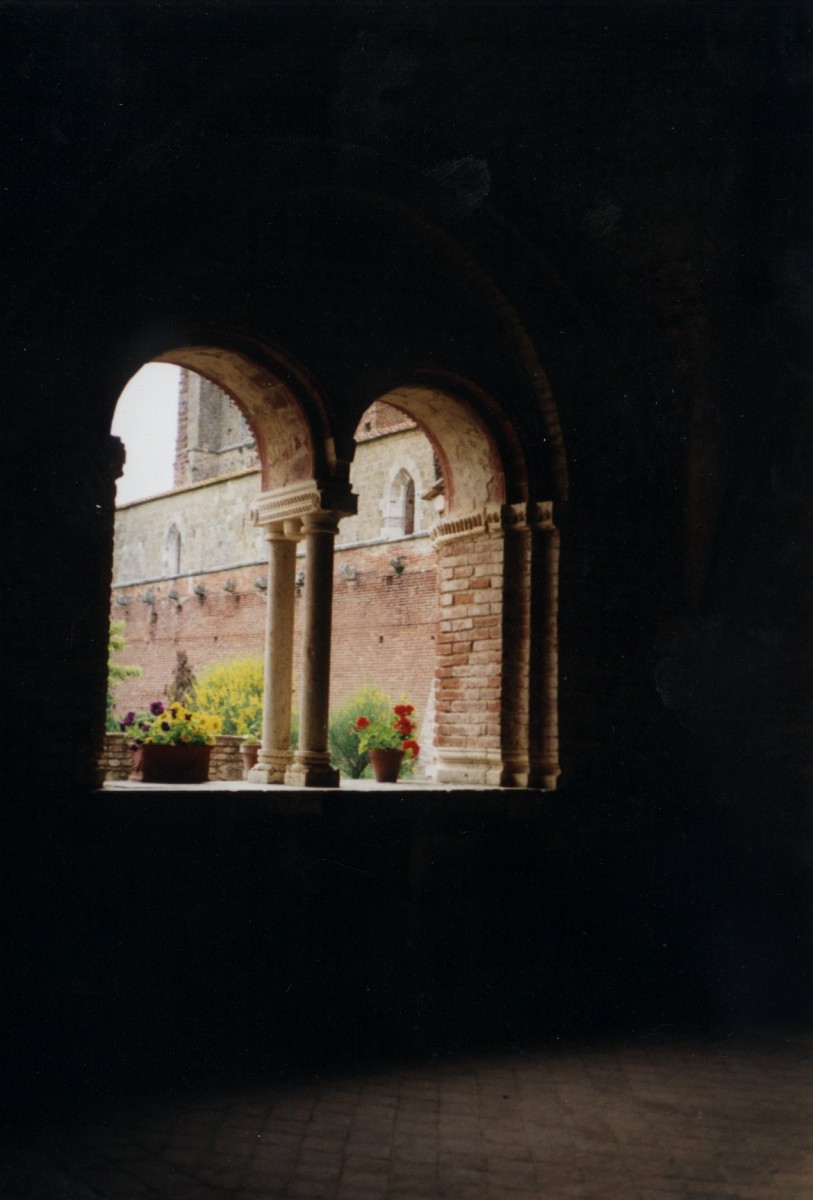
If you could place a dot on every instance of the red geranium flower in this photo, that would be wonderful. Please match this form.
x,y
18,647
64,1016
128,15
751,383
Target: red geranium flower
x,y
403,710
362,722
411,744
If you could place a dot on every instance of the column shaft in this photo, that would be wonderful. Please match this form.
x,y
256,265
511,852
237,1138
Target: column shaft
x,y
544,665
311,766
275,755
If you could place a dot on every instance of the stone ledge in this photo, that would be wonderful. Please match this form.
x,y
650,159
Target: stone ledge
x,y
354,800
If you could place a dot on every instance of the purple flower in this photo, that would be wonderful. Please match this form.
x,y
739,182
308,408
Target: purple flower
x,y
156,708
128,720
145,725
165,725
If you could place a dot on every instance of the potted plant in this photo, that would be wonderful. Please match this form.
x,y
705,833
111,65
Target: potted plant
x,y
170,744
387,741
250,746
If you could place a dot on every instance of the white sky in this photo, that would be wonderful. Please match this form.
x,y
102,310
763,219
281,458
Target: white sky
x,y
146,419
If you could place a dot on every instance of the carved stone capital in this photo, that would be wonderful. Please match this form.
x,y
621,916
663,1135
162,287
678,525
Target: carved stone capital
x,y
485,522
298,500
323,521
537,514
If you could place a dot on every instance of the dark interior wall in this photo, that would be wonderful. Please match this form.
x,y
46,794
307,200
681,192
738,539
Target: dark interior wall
x,y
611,201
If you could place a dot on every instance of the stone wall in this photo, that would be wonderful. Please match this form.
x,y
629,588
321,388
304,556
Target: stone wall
x,y
390,446
212,521
115,761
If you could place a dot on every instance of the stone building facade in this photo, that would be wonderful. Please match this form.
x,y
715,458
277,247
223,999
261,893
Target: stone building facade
x,y
190,569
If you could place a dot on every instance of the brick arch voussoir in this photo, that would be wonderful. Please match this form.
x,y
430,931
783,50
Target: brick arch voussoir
x,y
283,409
470,464
462,267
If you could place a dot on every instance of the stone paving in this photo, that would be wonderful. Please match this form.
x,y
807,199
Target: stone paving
x,y
632,1122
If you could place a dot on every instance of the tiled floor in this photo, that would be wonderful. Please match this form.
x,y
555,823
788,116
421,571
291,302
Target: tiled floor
x,y
696,1120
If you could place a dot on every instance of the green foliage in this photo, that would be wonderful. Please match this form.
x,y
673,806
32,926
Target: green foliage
x,y
116,671
342,736
233,691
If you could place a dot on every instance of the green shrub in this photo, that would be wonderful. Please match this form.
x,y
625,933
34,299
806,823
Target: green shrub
x,y
342,737
116,671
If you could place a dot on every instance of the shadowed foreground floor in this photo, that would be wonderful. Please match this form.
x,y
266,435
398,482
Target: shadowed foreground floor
x,y
651,1122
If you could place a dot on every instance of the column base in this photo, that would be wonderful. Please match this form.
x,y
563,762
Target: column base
x,y
270,767
515,772
483,767
312,769
543,776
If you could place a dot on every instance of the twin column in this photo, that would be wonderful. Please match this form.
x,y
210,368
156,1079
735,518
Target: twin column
x,y
310,766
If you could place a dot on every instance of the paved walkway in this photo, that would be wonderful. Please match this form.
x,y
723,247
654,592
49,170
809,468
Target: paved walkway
x,y
640,1121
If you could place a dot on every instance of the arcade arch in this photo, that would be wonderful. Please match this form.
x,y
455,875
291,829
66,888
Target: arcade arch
x,y
495,697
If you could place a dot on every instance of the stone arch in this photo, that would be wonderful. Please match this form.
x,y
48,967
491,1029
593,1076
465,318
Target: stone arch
x,y
284,411
496,678
473,316
471,464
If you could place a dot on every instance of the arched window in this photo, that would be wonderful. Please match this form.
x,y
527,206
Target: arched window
x,y
399,506
172,552
407,503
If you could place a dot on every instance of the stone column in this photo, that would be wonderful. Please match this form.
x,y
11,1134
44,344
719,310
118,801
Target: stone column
x,y
311,766
515,700
543,730
275,755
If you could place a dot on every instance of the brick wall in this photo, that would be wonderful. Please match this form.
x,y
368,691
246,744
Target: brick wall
x,y
469,671
384,624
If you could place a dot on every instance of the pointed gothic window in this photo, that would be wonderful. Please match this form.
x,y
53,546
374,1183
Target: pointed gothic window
x,y
172,552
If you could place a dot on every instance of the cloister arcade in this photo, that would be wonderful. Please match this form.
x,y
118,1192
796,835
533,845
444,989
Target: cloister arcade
x,y
497,544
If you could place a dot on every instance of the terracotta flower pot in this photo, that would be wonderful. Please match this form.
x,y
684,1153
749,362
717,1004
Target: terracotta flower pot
x,y
249,751
171,764
386,765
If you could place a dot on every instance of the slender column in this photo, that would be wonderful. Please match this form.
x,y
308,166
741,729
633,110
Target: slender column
x,y
517,633
275,755
543,732
311,766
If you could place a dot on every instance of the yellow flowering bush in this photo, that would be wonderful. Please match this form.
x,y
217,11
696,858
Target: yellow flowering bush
x,y
171,726
233,691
